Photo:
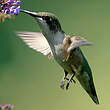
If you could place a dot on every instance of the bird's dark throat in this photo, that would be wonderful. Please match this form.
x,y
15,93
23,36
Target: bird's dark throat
x,y
53,23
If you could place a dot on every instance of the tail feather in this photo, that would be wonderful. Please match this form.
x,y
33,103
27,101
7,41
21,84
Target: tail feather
x,y
88,85
93,94
84,75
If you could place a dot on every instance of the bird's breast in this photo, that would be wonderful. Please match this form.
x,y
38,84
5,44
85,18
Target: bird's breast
x,y
58,53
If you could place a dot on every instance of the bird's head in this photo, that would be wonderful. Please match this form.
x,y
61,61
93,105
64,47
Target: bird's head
x,y
48,22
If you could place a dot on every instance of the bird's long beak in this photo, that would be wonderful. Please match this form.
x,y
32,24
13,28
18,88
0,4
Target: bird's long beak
x,y
33,14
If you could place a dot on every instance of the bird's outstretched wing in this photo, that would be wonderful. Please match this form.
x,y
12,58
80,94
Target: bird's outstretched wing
x,y
36,41
77,41
70,43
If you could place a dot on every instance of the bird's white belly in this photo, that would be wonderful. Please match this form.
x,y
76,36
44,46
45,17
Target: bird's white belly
x,y
58,55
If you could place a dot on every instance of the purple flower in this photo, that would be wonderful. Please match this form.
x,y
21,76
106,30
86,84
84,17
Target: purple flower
x,y
10,6
7,11
18,3
13,7
17,11
0,106
6,106
2,6
11,11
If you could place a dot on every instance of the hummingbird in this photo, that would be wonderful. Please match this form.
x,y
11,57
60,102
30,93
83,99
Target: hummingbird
x,y
65,49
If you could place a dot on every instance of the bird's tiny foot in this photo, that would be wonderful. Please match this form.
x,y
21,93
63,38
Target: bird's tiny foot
x,y
70,80
67,86
62,84
63,79
74,81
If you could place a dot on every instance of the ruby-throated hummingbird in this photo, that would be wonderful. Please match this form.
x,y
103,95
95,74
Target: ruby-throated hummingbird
x,y
54,42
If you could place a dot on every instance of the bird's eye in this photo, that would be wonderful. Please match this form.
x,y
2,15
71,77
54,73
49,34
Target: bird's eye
x,y
43,17
47,18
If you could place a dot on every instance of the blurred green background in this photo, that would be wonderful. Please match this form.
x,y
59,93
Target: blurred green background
x,y
31,81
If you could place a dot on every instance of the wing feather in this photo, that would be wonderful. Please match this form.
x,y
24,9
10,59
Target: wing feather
x,y
70,43
36,41
77,41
